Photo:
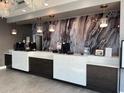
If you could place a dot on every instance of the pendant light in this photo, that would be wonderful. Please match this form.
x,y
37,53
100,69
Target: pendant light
x,y
51,25
104,19
104,22
14,31
39,27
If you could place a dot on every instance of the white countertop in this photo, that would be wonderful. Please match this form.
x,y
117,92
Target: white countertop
x,y
40,54
89,59
8,53
95,60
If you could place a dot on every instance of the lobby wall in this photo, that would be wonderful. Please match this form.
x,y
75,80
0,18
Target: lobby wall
x,y
7,40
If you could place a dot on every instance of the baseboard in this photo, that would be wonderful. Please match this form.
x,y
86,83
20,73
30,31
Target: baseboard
x,y
2,67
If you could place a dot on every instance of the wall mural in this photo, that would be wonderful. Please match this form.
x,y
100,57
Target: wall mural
x,y
84,31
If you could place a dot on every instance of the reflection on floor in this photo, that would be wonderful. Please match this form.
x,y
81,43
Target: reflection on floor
x,y
17,82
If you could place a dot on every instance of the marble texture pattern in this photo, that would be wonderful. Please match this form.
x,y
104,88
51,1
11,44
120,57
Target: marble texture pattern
x,y
84,31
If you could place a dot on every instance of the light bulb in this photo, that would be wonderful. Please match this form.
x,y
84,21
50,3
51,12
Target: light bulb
x,y
104,22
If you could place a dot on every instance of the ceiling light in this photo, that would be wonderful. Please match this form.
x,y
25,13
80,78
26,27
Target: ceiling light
x,y
104,22
51,28
46,4
104,19
14,32
27,2
51,25
39,29
23,10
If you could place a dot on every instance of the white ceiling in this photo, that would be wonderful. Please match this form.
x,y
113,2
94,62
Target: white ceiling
x,y
35,5
79,12
61,8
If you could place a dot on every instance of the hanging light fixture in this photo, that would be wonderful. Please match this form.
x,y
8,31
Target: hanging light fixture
x,y
51,28
104,22
39,27
51,25
104,19
14,31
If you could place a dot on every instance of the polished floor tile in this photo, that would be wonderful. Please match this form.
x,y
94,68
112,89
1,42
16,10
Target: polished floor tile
x,y
18,82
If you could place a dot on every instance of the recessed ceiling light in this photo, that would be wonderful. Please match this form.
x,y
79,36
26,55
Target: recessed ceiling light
x,y
27,2
46,4
23,10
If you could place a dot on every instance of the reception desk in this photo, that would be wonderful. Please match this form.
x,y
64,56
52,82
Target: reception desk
x,y
91,71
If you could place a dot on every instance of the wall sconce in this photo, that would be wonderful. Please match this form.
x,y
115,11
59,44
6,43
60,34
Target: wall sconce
x,y
46,3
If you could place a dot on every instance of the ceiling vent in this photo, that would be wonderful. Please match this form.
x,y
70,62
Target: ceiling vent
x,y
21,4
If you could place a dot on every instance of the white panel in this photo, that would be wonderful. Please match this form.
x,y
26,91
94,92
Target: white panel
x,y
70,68
20,60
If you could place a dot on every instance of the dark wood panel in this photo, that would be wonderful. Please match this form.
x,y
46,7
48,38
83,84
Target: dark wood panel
x,y
41,67
8,60
103,79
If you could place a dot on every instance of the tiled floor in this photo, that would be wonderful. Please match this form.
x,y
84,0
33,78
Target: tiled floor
x,y
17,82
